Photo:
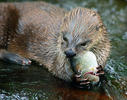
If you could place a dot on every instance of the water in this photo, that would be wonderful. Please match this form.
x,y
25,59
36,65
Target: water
x,y
35,83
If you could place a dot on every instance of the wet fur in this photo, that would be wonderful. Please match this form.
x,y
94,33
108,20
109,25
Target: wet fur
x,y
35,30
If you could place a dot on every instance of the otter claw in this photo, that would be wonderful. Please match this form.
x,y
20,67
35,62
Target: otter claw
x,y
78,76
26,62
100,71
81,81
84,83
85,79
100,74
99,67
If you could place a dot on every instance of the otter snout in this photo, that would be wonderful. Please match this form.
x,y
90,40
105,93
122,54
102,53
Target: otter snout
x,y
70,53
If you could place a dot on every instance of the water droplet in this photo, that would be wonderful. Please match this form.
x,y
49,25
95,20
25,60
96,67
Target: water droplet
x,y
125,36
126,93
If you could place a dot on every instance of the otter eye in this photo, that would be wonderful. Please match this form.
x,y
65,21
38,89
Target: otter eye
x,y
85,43
64,43
64,38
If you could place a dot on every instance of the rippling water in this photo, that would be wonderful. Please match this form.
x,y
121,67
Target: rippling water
x,y
35,83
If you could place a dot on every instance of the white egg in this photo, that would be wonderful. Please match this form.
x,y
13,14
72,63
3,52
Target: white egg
x,y
86,62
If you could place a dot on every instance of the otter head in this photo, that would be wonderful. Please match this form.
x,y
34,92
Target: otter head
x,y
81,30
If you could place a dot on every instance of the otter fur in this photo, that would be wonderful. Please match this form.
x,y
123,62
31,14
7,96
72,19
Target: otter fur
x,y
43,32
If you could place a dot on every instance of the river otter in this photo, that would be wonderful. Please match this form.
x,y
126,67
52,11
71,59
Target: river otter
x,y
51,36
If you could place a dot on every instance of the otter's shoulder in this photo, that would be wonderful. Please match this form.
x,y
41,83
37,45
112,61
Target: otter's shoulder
x,y
39,14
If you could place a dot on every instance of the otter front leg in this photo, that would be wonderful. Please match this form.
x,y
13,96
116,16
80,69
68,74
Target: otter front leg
x,y
13,58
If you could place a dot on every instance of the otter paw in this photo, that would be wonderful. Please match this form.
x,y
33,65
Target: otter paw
x,y
26,62
81,81
15,58
100,71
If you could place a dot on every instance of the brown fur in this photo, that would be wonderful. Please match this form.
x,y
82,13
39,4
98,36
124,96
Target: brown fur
x,y
35,31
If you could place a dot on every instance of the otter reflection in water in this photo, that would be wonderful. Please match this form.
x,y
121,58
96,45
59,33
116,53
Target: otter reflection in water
x,y
51,36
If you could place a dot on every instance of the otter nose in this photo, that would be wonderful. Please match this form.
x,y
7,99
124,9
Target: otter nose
x,y
70,53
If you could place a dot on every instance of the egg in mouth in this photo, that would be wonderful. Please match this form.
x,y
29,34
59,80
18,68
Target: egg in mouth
x,y
86,68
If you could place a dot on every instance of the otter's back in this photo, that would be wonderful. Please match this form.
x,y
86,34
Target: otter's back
x,y
36,30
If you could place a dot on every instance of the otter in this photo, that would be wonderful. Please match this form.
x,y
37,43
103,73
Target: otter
x,y
51,35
